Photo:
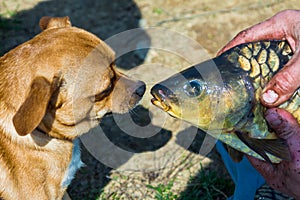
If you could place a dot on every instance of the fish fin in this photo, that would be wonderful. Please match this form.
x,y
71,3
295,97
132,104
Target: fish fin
x,y
235,155
277,147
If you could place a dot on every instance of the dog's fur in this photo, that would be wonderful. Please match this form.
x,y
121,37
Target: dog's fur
x,y
53,88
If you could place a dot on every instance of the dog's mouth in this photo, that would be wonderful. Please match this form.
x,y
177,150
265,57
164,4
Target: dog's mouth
x,y
100,114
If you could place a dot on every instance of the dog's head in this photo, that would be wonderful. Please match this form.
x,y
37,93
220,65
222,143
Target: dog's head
x,y
62,82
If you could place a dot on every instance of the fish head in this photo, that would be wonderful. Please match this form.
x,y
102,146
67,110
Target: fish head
x,y
206,95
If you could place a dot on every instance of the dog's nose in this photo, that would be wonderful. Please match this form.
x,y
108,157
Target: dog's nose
x,y
141,89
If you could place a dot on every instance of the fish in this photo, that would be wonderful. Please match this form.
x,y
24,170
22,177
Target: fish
x,y
221,96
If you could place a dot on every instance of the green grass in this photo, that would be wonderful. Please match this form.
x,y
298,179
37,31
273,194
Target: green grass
x,y
103,196
206,185
9,13
6,17
164,192
158,11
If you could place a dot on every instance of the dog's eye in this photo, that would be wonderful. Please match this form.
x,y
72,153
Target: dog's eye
x,y
103,94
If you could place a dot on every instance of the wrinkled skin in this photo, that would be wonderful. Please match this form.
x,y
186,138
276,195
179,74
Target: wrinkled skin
x,y
284,176
285,25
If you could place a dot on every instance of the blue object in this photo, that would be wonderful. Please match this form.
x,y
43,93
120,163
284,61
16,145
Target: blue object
x,y
247,180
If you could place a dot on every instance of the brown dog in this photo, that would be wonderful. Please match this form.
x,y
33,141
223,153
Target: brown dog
x,y
54,88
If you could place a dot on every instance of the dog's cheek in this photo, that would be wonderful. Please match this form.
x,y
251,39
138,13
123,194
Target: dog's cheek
x,y
124,103
61,124
126,94
65,116
119,98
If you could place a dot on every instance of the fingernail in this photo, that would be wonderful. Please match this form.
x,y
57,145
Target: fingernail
x,y
270,96
273,118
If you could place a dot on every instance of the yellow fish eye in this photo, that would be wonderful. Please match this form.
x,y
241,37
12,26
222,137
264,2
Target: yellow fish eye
x,y
193,88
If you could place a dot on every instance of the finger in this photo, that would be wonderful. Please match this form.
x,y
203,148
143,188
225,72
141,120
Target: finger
x,y
283,85
286,127
261,31
283,122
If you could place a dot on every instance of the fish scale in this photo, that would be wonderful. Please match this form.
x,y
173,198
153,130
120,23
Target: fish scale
x,y
245,70
262,60
265,60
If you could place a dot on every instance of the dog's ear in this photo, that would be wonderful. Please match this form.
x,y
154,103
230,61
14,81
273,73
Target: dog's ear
x,y
54,22
32,111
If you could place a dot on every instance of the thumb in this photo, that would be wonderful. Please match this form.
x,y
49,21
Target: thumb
x,y
283,85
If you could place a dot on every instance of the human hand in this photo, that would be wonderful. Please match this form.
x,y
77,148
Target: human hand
x,y
284,176
283,26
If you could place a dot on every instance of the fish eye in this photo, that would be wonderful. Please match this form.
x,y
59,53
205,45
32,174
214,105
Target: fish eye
x,y
193,88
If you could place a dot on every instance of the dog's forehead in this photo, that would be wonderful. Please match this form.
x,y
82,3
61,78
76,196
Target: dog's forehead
x,y
95,64
88,79
75,50
87,74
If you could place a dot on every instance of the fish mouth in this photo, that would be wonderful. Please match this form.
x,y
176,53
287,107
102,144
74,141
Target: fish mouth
x,y
160,100
165,99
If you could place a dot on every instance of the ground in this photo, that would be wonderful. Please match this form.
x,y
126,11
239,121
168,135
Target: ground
x,y
158,156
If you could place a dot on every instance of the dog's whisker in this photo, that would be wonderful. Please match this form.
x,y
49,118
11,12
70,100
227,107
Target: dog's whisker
x,y
134,113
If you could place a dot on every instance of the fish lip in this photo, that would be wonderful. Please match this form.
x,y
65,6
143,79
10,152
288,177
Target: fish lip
x,y
160,100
